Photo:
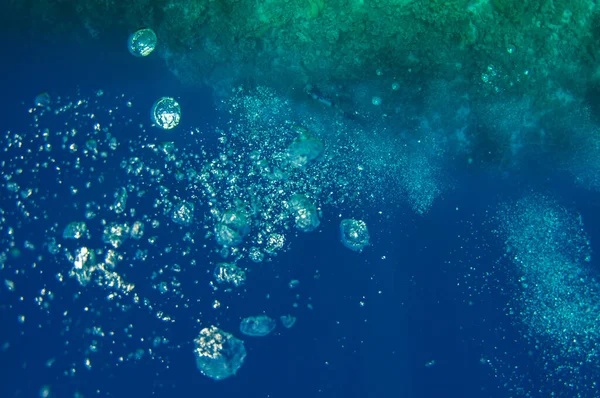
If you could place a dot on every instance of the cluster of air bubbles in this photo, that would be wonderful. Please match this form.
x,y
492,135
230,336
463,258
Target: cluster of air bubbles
x,y
142,42
556,299
143,217
489,75
183,213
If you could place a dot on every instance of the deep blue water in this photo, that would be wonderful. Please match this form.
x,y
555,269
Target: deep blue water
x,y
337,349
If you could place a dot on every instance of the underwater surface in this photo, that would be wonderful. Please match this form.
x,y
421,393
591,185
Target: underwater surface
x,y
189,211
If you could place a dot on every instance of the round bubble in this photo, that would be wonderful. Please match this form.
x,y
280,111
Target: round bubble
x,y
354,234
218,354
142,42
166,113
257,326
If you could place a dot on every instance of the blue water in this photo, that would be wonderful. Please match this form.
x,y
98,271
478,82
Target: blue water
x,y
415,311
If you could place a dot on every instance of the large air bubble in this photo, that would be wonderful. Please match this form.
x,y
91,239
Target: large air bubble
x,y
142,42
354,234
306,216
219,354
233,226
166,113
257,326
